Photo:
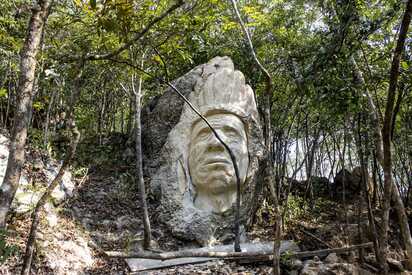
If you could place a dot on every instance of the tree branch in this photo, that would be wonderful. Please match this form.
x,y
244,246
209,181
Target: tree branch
x,y
226,255
139,35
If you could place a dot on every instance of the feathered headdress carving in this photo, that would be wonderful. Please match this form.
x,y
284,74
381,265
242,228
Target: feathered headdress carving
x,y
223,89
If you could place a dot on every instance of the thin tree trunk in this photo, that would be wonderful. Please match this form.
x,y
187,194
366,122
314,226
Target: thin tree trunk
x,y
375,177
390,189
122,118
269,149
383,146
309,168
371,218
66,163
25,95
46,126
130,121
139,161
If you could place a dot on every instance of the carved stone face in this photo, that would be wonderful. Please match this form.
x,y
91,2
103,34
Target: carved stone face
x,y
210,166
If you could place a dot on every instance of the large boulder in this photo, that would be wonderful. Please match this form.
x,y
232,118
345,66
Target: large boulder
x,y
357,177
345,184
191,173
351,183
319,185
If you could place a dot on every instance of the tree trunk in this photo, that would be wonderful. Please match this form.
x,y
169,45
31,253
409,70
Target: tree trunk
x,y
22,115
390,189
364,189
66,163
46,125
139,160
269,149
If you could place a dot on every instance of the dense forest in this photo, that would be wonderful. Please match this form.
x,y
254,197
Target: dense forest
x,y
331,79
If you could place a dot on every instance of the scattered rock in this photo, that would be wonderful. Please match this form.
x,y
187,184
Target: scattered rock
x,y
38,164
332,258
69,257
312,267
25,201
296,264
66,186
51,215
395,265
87,223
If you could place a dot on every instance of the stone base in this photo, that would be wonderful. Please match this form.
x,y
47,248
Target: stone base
x,y
138,264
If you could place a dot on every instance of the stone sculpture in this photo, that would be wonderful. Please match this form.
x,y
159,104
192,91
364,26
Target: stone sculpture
x,y
192,173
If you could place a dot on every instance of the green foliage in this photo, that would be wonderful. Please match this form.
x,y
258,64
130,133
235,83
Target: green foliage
x,y
3,93
38,105
295,209
6,251
293,39
93,4
35,137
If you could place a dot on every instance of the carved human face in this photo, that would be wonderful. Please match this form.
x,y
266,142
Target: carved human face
x,y
210,166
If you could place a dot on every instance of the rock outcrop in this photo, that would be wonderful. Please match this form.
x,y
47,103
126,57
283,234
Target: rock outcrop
x,y
32,186
350,183
196,203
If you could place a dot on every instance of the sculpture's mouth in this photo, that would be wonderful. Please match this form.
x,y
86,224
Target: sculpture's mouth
x,y
216,160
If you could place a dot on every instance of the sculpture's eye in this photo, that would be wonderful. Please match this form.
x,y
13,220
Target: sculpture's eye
x,y
231,132
204,133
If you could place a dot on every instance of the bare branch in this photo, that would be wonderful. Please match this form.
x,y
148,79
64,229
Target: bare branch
x,y
227,255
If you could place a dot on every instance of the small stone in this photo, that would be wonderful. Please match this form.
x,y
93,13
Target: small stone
x,y
296,264
106,223
37,164
86,222
122,221
311,267
51,215
332,258
39,235
395,265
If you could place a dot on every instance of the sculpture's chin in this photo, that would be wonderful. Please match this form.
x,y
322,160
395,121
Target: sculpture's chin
x,y
215,182
215,202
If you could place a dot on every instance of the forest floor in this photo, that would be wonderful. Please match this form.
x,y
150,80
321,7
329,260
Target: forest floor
x,y
104,212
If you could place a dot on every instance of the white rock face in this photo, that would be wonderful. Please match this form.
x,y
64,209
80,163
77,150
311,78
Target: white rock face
x,y
27,195
193,174
66,256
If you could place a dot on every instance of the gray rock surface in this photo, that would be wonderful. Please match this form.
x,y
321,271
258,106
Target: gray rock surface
x,y
167,124
31,189
66,256
332,258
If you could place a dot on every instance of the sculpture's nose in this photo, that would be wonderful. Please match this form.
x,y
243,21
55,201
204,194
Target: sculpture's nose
x,y
214,144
